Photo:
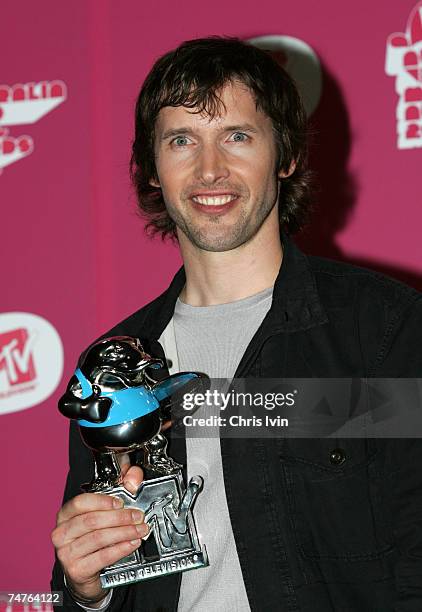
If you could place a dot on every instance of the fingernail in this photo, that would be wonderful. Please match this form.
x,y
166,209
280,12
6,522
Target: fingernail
x,y
130,486
142,529
137,516
117,502
135,542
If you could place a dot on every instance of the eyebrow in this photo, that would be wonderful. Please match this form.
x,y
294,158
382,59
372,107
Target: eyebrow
x,y
245,127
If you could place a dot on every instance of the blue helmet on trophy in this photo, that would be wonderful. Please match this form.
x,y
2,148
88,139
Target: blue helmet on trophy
x,y
119,394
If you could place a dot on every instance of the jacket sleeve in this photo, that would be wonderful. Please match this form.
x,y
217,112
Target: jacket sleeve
x,y
403,358
400,350
407,524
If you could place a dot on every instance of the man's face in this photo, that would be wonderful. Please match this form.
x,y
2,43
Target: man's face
x,y
218,176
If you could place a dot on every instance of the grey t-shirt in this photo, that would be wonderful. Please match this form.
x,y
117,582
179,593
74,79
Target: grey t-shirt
x,y
212,339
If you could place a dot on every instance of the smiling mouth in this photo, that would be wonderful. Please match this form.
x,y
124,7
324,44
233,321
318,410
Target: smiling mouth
x,y
214,200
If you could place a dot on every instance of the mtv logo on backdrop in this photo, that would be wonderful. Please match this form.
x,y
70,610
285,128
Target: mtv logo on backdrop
x,y
404,61
25,104
31,360
16,357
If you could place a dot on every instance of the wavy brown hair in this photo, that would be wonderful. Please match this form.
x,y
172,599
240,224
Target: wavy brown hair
x,y
192,75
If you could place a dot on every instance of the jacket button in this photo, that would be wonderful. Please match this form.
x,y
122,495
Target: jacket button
x,y
337,456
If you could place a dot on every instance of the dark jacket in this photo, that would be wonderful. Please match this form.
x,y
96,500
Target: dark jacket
x,y
312,535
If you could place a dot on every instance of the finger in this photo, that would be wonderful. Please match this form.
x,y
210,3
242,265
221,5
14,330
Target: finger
x,y
87,502
166,425
85,568
133,478
102,538
91,521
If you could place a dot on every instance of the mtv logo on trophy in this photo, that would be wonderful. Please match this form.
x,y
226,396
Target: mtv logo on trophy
x,y
119,406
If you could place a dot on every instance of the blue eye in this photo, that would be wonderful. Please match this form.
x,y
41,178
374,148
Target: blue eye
x,y
243,137
177,140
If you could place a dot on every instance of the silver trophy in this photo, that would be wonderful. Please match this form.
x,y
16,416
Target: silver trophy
x,y
119,405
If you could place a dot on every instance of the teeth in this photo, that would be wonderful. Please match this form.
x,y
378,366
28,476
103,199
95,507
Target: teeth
x,y
214,201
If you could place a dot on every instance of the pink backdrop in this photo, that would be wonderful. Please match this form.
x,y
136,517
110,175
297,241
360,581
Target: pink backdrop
x,y
71,243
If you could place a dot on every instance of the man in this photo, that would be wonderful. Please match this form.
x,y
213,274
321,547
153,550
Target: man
x,y
307,524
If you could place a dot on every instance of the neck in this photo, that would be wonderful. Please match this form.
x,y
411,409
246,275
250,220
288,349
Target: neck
x,y
223,277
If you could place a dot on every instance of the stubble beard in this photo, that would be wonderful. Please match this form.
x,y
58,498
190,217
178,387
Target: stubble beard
x,y
217,237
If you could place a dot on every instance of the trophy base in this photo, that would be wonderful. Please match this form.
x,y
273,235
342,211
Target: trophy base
x,y
172,545
154,569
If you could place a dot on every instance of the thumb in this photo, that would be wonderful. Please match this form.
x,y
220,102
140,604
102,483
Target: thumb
x,y
132,478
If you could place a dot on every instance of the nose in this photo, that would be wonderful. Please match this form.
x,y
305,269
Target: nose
x,y
212,165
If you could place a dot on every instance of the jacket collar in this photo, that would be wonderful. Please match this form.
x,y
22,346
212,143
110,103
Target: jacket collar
x,y
296,303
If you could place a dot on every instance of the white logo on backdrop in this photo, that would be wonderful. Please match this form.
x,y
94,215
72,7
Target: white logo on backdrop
x,y
25,104
31,360
404,61
300,61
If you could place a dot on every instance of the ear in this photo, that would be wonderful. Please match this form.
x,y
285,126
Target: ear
x,y
155,183
292,168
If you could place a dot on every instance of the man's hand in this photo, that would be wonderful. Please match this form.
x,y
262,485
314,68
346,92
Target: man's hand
x,y
93,531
